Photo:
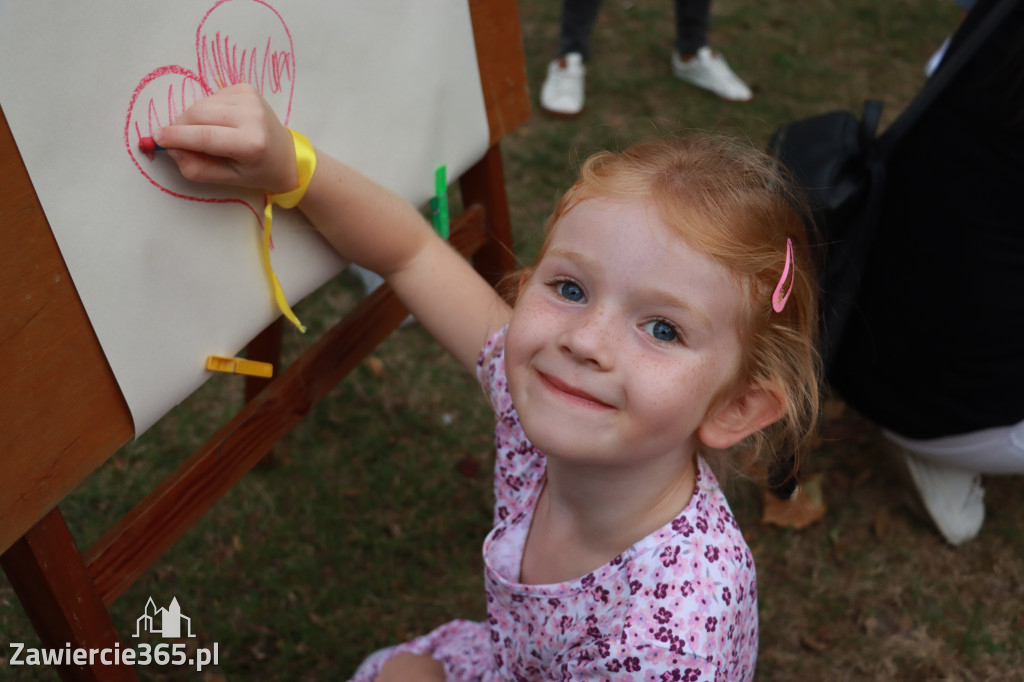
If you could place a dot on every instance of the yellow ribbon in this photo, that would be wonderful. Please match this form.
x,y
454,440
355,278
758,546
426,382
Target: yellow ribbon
x,y
305,157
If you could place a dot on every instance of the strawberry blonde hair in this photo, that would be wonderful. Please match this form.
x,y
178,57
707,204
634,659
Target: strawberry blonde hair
x,y
735,204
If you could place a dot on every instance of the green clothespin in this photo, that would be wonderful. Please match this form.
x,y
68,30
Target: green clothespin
x,y
439,204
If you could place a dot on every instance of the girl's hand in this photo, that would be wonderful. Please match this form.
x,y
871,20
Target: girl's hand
x,y
232,137
407,667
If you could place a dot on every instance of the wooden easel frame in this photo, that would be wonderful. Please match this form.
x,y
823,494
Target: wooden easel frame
x,y
63,414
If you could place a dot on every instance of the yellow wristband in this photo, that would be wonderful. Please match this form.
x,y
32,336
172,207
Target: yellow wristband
x,y
305,158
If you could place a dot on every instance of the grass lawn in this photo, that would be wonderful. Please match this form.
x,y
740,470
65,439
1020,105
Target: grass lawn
x,y
366,529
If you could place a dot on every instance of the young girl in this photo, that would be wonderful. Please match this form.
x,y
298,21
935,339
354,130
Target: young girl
x,y
669,316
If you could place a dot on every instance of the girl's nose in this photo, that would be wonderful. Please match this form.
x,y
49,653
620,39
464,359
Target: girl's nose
x,y
589,338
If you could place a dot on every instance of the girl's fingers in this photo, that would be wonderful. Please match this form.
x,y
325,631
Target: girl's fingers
x,y
234,122
223,108
232,137
203,168
232,156
211,139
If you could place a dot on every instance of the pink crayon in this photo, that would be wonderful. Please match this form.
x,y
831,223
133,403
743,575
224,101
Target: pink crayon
x,y
147,145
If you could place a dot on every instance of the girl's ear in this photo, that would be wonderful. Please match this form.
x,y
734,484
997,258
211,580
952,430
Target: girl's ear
x,y
744,413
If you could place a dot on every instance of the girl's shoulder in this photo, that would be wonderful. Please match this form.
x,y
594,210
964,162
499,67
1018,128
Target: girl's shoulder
x,y
705,533
694,586
490,372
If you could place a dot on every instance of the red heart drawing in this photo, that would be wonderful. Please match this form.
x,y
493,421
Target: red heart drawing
x,y
264,60
263,56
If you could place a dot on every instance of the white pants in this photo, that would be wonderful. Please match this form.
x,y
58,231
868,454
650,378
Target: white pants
x,y
998,450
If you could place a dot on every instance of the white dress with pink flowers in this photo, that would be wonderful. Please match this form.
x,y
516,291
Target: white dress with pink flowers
x,y
681,604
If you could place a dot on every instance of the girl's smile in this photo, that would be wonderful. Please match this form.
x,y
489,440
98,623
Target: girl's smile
x,y
572,394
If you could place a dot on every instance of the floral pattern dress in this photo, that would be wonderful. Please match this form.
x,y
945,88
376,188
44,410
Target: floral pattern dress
x,y
679,605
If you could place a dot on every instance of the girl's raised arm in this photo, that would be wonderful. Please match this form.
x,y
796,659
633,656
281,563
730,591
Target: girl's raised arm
x,y
233,137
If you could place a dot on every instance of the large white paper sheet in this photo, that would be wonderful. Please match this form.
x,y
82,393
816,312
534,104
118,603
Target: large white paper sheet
x,y
169,271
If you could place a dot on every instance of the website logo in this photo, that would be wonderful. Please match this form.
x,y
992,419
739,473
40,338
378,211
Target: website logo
x,y
166,622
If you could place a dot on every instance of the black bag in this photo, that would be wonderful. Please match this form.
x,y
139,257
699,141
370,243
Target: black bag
x,y
840,162
835,157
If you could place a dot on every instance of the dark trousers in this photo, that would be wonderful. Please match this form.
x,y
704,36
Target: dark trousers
x,y
578,18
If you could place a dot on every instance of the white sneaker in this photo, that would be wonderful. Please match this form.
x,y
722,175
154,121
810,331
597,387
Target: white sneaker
x,y
954,498
562,92
710,71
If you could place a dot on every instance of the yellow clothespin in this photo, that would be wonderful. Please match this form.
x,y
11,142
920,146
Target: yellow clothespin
x,y
252,368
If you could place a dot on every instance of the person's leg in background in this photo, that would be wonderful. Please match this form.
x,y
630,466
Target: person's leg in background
x,y
562,93
693,17
952,494
563,90
696,63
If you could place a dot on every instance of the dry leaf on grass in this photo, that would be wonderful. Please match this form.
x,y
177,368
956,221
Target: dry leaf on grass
x,y
804,508
820,641
375,365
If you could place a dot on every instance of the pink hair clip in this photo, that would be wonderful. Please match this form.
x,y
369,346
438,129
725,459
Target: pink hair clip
x,y
778,298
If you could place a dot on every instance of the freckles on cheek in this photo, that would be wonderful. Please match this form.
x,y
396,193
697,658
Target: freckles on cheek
x,y
529,324
682,384
517,338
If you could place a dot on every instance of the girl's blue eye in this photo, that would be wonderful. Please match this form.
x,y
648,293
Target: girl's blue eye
x,y
661,330
570,291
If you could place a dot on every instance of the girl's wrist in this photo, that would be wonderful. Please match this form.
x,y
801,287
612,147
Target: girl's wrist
x,y
305,165
305,161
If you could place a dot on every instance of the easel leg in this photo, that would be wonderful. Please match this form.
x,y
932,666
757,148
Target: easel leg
x,y
50,578
484,184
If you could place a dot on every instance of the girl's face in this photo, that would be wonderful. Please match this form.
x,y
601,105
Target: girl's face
x,y
621,338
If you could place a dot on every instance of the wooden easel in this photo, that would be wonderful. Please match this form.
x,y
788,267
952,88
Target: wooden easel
x,y
62,414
